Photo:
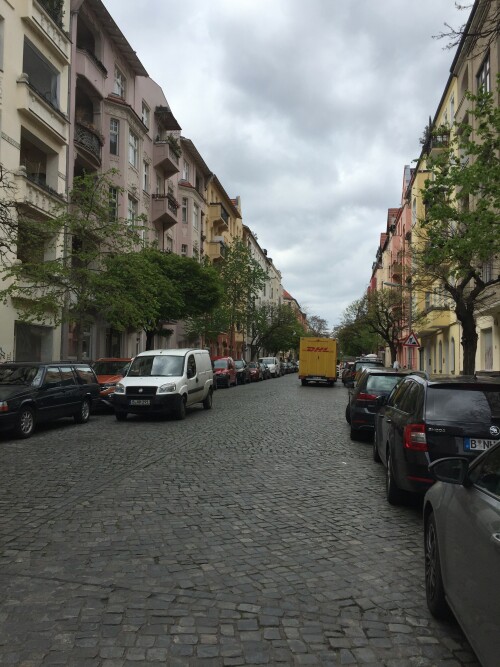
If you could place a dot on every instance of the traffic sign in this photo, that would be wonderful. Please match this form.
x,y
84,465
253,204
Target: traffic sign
x,y
411,341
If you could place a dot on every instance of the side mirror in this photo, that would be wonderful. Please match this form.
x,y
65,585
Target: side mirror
x,y
451,469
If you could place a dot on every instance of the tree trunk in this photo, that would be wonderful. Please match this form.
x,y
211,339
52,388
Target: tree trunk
x,y
150,339
469,344
394,352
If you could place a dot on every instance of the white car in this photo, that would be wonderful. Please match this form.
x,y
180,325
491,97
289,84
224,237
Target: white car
x,y
273,364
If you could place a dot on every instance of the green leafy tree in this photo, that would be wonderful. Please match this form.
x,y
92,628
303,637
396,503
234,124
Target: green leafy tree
x,y
317,326
273,328
52,267
353,335
456,255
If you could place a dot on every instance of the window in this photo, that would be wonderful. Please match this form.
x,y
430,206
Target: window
x,y
184,250
169,244
133,149
184,210
145,116
191,366
185,171
483,76
119,86
159,186
452,108
113,204
452,356
132,211
114,136
196,216
43,77
145,176
486,475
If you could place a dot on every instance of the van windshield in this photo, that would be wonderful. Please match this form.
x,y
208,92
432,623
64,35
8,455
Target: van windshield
x,y
268,360
156,366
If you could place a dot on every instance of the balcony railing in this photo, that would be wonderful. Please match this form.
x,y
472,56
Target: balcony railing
x,y
88,139
54,8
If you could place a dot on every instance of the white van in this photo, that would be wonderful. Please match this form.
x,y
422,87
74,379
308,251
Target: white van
x,y
273,364
165,381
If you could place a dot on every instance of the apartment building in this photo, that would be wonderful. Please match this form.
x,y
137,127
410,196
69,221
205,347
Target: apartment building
x,y
35,56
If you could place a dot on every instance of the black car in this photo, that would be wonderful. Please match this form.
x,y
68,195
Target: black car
x,y
33,392
350,375
242,371
362,402
424,419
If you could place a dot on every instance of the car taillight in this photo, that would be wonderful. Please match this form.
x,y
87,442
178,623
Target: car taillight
x,y
414,437
366,397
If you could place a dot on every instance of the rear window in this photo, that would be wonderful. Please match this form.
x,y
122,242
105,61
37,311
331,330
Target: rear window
x,y
85,375
382,382
476,405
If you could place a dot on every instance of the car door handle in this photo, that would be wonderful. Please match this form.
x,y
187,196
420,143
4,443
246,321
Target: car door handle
x,y
495,538
380,416
388,421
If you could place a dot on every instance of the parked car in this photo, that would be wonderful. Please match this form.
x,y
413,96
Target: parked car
x,y
351,374
361,403
109,371
256,373
160,382
346,371
242,371
225,371
273,364
294,366
462,547
266,373
35,392
424,419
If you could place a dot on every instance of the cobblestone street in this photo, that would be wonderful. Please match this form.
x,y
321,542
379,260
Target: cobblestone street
x,y
253,534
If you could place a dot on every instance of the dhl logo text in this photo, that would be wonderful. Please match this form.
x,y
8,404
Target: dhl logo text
x,y
317,349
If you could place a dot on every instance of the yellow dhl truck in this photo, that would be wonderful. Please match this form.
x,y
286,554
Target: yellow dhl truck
x,y
318,360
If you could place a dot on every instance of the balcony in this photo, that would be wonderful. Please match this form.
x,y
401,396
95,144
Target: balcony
x,y
89,67
397,271
48,120
89,144
216,249
164,210
438,142
48,26
164,158
36,196
437,317
218,216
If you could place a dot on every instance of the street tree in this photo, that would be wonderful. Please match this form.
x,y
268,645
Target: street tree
x,y
317,326
353,335
52,267
457,245
273,328
487,30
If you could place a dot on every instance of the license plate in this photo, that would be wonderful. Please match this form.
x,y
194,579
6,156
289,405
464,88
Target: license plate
x,y
139,401
478,444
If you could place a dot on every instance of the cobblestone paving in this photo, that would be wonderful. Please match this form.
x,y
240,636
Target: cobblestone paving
x,y
253,534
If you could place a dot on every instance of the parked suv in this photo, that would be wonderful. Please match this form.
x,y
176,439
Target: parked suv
x,y
426,419
109,372
362,406
33,392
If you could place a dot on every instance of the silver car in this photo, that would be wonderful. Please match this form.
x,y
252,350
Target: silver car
x,y
462,546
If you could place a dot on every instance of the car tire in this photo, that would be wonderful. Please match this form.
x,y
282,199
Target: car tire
x,y
83,414
393,492
180,412
120,416
348,414
434,587
376,455
207,403
25,422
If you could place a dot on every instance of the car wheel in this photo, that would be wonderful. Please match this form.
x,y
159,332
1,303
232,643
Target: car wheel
x,y
207,403
434,588
348,414
121,416
393,492
82,416
25,422
180,412
376,455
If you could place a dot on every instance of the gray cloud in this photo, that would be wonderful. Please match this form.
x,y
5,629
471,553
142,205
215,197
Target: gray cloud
x,y
308,111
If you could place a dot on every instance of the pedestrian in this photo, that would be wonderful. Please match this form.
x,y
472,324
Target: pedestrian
x,y
396,365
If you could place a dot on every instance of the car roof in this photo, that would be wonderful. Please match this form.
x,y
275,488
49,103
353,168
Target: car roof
x,y
174,352
114,359
438,380
21,364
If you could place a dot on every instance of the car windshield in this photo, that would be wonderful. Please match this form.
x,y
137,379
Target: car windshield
x,y
220,363
110,367
253,364
18,374
382,382
477,405
239,364
268,360
156,366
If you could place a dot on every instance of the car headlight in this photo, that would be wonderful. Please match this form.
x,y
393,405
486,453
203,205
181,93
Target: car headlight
x,y
120,388
166,389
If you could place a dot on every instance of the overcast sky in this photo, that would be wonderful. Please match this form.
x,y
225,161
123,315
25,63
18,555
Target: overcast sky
x,y
307,109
